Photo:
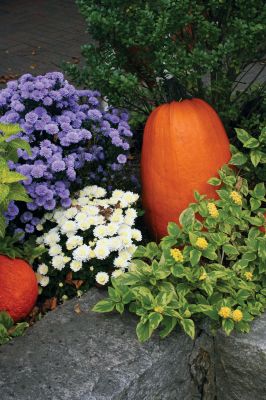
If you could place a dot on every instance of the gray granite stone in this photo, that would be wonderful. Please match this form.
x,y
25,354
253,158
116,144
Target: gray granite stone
x,y
89,356
240,363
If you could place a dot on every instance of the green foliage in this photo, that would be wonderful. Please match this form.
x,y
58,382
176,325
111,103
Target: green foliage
x,y
8,329
10,186
13,247
204,45
213,267
252,158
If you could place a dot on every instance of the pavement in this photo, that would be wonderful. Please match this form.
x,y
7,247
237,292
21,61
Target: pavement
x,y
37,35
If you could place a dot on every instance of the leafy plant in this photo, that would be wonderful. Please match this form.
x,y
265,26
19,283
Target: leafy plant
x,y
252,158
8,329
213,266
208,47
10,187
13,247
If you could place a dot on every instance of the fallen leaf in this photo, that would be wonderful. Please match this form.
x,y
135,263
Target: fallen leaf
x,y
77,283
77,309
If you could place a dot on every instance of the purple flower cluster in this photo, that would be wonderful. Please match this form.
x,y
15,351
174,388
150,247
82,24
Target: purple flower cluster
x,y
74,141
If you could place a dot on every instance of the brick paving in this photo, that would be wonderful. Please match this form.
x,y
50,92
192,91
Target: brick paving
x,y
37,35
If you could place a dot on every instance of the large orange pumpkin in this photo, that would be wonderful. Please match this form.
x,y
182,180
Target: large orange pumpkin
x,y
18,287
184,145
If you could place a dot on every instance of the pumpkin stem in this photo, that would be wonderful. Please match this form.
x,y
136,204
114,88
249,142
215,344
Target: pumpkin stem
x,y
175,91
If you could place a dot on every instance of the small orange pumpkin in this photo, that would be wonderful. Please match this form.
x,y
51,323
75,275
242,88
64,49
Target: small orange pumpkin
x,y
18,287
184,145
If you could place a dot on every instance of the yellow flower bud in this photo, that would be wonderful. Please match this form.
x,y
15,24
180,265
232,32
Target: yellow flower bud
x,y
203,276
225,312
236,197
248,275
158,309
177,255
237,315
202,243
213,210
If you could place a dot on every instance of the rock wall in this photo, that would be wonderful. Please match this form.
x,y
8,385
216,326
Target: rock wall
x,y
88,356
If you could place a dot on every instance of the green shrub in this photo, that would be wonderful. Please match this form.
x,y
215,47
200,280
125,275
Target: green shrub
x,y
214,266
10,188
252,159
8,329
204,45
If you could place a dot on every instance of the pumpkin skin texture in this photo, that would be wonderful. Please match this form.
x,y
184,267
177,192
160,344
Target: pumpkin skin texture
x,y
184,145
18,287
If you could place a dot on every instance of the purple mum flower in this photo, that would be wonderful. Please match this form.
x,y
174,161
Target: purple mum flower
x,y
122,159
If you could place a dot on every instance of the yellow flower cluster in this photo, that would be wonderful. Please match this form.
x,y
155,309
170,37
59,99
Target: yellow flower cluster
x,y
202,243
236,197
203,276
237,315
177,255
248,275
158,309
226,312
213,210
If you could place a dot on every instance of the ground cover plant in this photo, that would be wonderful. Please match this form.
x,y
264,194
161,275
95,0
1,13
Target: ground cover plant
x,y
207,47
213,265
74,141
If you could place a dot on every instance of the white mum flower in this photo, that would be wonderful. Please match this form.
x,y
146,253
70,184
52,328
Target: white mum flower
x,y
44,281
92,254
102,278
39,227
117,216
73,242
58,214
124,230
76,265
100,192
101,252
131,213
51,238
128,199
120,262
82,201
55,250
117,273
58,262
71,212
40,240
117,194
84,225
131,249
136,234
81,216
100,231
125,255
42,269
126,240
112,228
91,210
82,253
69,226
115,243
99,220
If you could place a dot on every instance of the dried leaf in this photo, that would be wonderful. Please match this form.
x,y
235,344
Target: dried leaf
x,y
77,283
77,309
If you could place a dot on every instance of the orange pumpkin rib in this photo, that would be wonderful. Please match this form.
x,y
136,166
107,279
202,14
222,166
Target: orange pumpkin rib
x,y
184,145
